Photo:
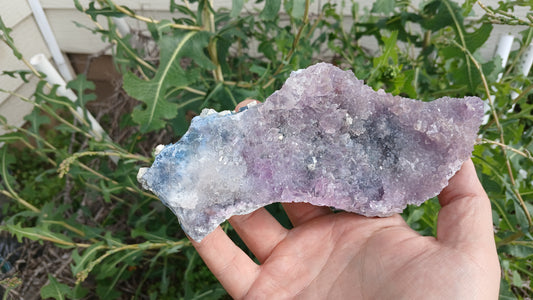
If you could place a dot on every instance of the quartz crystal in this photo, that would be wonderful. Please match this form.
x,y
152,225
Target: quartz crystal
x,y
324,138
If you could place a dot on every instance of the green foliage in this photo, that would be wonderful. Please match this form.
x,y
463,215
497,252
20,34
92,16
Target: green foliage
x,y
169,74
70,188
56,290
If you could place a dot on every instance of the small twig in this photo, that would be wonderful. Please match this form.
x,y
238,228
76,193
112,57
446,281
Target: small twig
x,y
294,45
505,18
152,21
524,153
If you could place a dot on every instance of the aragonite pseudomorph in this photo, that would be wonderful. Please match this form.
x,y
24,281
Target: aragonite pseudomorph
x,y
323,138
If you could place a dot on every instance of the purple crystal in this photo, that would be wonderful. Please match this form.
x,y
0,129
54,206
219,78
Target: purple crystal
x,y
323,138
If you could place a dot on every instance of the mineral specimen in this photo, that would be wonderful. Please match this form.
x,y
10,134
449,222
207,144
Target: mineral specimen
x,y
324,138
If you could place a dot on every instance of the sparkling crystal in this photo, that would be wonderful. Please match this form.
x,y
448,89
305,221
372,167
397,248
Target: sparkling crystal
x,y
324,138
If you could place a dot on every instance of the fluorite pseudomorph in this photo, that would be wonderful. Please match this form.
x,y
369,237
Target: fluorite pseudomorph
x,y
324,138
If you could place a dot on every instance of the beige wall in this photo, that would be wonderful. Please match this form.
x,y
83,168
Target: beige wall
x,y
17,15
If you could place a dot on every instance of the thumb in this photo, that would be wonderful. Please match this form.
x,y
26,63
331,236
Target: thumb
x,y
465,218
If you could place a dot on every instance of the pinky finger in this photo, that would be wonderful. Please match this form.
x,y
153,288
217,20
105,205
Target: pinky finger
x,y
230,265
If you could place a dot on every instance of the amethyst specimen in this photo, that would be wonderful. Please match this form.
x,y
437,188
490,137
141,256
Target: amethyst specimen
x,y
323,138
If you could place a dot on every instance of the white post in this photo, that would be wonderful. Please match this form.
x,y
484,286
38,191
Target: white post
x,y
524,65
50,39
503,50
41,64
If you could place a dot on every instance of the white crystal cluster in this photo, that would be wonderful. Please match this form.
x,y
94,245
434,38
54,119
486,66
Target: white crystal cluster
x,y
324,138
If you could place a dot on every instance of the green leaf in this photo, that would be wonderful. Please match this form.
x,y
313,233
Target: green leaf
x,y
157,109
11,138
81,261
296,8
41,96
107,290
4,35
37,234
236,8
441,13
158,30
271,9
22,74
505,291
82,87
517,279
36,119
520,251
474,40
55,290
106,11
448,13
383,6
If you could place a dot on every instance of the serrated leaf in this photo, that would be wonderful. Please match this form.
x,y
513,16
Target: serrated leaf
x,y
37,234
4,35
82,87
158,30
106,11
271,10
80,262
55,290
51,97
22,74
36,118
157,109
108,268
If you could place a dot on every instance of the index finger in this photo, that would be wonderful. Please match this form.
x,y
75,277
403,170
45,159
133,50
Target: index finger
x,y
230,265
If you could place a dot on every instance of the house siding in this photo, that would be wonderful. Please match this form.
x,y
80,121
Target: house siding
x,y
29,42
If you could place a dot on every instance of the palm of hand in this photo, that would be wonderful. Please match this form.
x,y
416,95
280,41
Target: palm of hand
x,y
347,256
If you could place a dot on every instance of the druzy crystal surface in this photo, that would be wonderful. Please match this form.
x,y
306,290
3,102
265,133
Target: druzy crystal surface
x,y
324,138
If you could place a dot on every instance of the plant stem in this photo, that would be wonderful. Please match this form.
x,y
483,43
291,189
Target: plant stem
x,y
500,129
294,45
525,154
150,20
209,24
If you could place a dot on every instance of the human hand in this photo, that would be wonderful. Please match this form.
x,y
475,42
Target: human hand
x,y
347,256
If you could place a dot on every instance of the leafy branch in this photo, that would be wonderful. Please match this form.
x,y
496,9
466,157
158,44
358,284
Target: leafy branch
x,y
503,17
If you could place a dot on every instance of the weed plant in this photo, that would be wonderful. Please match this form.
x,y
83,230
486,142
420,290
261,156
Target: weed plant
x,y
73,198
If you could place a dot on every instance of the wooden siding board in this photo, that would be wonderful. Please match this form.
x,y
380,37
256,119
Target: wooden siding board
x,y
74,39
138,5
14,11
14,109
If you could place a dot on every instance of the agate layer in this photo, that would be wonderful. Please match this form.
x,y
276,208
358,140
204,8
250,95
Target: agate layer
x,y
324,138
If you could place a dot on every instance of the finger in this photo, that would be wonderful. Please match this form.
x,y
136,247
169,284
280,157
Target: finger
x,y
260,231
300,213
465,216
230,265
244,103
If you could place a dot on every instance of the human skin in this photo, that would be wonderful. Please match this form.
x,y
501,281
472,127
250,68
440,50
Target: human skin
x,y
330,255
